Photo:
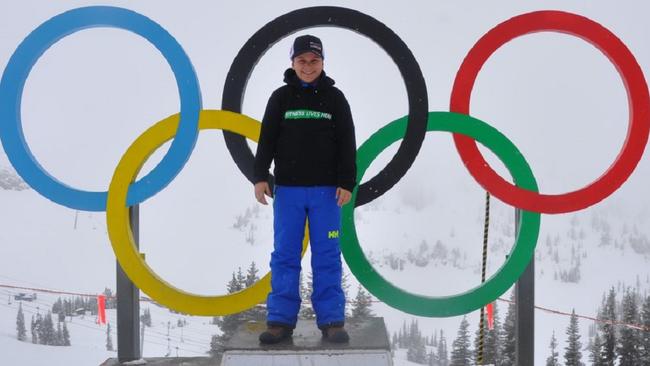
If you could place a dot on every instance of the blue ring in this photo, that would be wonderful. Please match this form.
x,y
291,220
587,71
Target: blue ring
x,y
33,47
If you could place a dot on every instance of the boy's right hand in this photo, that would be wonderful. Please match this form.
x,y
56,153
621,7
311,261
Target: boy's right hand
x,y
261,189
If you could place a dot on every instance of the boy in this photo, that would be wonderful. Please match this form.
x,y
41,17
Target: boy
x,y
308,131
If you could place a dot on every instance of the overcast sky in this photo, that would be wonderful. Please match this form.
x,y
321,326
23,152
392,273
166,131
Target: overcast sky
x,y
555,96
92,93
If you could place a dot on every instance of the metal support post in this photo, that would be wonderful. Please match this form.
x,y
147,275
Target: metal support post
x,y
525,311
128,304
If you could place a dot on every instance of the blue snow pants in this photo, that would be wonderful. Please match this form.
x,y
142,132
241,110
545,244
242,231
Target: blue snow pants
x,y
291,207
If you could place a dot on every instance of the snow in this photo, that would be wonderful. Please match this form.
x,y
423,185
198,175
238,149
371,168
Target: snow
x,y
573,105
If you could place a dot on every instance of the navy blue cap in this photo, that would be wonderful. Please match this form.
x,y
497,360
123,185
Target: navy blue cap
x,y
307,43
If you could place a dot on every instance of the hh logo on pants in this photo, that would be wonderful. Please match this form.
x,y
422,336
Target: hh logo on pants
x,y
333,234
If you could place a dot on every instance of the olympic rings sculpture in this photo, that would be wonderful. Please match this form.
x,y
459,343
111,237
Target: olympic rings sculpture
x,y
184,128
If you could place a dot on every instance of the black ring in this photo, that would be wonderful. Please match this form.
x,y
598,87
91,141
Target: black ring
x,y
283,26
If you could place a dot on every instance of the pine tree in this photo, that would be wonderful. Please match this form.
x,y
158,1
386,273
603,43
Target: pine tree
x,y
629,343
109,339
608,354
58,338
572,353
361,305
57,307
508,342
21,332
257,312
644,342
416,351
461,355
552,359
145,318
241,279
34,331
393,342
111,300
491,341
229,323
443,357
251,275
432,359
47,334
66,335
596,350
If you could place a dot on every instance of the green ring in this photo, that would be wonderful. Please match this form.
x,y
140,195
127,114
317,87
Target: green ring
x,y
497,284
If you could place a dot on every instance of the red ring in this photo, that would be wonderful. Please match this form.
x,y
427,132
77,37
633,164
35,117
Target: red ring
x,y
637,93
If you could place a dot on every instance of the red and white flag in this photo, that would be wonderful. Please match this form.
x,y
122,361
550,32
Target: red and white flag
x,y
490,316
101,309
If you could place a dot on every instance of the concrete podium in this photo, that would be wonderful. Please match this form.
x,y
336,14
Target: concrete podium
x,y
369,345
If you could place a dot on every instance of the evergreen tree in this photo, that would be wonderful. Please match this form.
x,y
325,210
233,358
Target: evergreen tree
x,y
432,359
58,338
258,311
644,342
21,332
241,279
572,352
34,331
596,350
402,336
461,354
111,300
416,351
443,357
57,307
229,323
491,341
109,339
145,318
251,275
47,334
628,348
361,305
508,342
552,359
608,354
66,335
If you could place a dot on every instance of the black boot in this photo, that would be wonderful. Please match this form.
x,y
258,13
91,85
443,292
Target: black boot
x,y
275,334
335,334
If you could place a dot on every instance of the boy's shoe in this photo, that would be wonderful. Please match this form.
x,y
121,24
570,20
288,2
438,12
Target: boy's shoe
x,y
335,334
275,334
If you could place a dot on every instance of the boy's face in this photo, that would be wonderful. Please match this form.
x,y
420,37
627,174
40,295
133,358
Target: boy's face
x,y
308,66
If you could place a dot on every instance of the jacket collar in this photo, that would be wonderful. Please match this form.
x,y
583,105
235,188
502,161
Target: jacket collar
x,y
322,82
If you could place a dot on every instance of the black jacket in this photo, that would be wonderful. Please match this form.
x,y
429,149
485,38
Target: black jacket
x,y
308,131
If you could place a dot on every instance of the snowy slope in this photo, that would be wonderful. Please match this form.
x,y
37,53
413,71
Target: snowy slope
x,y
27,262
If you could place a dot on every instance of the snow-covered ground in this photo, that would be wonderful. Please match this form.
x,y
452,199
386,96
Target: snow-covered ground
x,y
42,260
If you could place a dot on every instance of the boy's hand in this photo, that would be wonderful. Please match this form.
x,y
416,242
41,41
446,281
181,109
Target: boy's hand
x,y
343,196
261,189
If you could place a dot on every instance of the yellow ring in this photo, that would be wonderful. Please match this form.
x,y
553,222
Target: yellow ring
x,y
121,236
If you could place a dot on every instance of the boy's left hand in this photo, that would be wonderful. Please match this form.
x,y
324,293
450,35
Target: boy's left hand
x,y
343,196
